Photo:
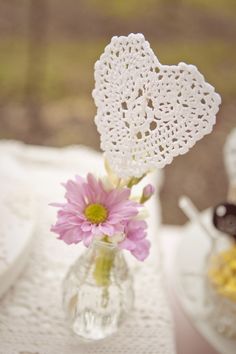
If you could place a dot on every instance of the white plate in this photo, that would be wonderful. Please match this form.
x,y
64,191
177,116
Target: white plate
x,y
16,231
190,258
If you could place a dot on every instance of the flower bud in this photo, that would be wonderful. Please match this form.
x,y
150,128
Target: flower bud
x,y
148,191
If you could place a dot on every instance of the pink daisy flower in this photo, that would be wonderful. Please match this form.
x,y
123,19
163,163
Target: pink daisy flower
x,y
91,210
135,240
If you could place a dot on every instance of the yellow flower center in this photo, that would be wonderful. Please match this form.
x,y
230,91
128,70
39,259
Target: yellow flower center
x,y
96,213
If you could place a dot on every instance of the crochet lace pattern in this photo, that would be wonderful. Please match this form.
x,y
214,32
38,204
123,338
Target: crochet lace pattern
x,y
148,113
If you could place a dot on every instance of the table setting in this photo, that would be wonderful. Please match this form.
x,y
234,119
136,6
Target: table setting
x,y
85,262
31,315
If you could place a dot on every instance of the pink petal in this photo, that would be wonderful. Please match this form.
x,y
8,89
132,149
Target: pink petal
x,y
86,227
141,250
71,236
127,244
87,239
73,193
107,229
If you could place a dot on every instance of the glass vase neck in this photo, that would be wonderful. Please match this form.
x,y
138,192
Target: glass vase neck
x,y
106,245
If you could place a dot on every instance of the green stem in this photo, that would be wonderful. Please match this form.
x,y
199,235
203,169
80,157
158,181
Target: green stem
x,y
103,264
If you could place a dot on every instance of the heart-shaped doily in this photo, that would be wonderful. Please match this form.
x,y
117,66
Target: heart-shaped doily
x,y
148,113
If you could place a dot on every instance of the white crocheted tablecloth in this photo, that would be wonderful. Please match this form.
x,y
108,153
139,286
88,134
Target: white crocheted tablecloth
x,y
31,316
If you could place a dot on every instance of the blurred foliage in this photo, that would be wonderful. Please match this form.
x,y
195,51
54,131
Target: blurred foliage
x,y
123,8
69,65
226,7
12,72
130,8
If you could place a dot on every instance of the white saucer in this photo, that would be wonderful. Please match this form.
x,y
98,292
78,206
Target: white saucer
x,y
16,232
191,251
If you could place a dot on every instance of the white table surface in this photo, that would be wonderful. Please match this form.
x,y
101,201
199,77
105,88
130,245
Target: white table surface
x,y
42,160
31,317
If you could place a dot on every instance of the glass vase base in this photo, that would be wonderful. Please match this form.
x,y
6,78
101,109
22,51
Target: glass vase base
x,y
89,327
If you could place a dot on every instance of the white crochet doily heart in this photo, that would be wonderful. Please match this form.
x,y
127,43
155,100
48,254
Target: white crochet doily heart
x,y
148,113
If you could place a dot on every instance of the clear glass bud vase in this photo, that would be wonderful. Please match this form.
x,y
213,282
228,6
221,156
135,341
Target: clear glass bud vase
x,y
98,291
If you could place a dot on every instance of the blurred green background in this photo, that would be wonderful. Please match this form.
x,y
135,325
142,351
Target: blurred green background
x,y
47,52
